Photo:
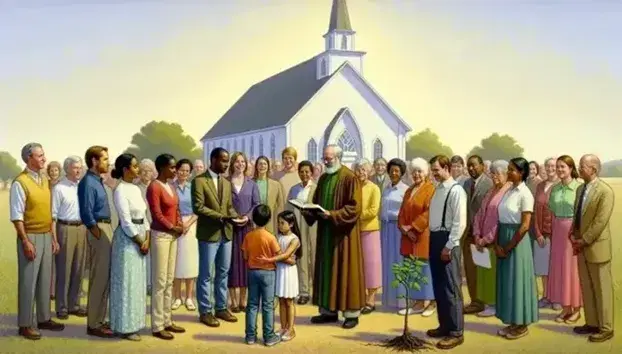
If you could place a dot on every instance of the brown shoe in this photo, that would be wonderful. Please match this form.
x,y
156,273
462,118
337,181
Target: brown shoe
x,y
79,313
449,342
175,329
585,329
601,336
101,332
209,320
50,325
436,333
29,333
166,335
226,316
517,332
473,308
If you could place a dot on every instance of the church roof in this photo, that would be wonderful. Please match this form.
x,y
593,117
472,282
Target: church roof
x,y
339,17
271,102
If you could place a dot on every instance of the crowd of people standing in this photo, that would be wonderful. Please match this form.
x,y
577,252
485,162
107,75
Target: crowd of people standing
x,y
151,228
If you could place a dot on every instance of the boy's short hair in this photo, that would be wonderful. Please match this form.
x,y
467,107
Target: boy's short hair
x,y
261,215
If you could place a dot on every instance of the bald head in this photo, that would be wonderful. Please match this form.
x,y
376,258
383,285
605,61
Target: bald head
x,y
589,167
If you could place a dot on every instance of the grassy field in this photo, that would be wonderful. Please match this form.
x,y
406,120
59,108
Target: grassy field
x,y
546,336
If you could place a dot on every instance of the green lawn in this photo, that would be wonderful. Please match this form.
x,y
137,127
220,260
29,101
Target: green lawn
x,y
546,336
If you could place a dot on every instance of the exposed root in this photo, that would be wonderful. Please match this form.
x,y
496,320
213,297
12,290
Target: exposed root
x,y
407,342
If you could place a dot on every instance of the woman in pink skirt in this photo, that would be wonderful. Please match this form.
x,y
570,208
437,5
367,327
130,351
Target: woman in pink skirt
x,y
370,234
563,284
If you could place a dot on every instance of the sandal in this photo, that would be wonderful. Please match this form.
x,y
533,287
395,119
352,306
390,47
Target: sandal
x,y
573,318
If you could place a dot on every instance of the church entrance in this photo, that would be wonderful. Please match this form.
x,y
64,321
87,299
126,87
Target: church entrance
x,y
344,132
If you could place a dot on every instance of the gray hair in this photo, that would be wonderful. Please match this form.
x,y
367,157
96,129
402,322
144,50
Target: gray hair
x,y
549,159
28,149
419,163
365,163
338,150
197,161
499,166
70,161
147,163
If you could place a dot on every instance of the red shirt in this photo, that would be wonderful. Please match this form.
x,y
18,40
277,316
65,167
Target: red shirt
x,y
164,207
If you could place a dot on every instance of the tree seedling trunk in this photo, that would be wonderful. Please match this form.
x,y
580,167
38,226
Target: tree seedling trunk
x,y
407,341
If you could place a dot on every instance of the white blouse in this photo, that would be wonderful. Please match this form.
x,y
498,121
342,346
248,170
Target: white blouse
x,y
129,202
515,202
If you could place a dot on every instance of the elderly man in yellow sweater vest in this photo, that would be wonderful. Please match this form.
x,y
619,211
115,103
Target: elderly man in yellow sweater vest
x,y
31,214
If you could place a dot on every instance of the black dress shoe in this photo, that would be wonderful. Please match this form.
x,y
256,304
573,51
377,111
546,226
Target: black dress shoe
x,y
436,333
175,329
79,313
585,329
50,325
368,309
303,300
350,323
62,315
321,319
166,335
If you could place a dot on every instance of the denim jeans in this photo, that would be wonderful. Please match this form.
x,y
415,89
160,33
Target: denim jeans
x,y
260,289
214,263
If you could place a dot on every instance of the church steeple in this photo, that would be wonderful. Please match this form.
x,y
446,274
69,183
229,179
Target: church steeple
x,y
339,17
339,42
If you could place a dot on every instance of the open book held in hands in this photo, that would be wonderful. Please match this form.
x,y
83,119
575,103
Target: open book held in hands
x,y
306,206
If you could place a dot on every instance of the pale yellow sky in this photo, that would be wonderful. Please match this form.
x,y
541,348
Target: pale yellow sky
x,y
463,82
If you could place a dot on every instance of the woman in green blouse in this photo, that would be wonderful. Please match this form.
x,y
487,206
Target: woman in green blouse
x,y
563,286
270,191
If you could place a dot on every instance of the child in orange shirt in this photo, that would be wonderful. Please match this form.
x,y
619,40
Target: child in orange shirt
x,y
257,245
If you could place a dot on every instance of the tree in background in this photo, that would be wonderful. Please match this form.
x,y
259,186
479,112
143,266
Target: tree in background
x,y
612,169
156,138
498,147
426,144
8,166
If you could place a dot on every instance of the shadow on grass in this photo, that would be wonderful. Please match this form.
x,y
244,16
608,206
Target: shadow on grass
x,y
561,329
8,328
375,338
228,338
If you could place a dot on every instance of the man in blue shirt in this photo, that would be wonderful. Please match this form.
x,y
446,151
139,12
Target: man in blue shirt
x,y
95,214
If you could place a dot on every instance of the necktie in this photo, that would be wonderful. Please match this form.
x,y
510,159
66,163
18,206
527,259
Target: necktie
x,y
472,189
579,211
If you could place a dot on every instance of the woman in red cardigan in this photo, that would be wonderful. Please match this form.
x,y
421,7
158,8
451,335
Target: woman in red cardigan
x,y
166,227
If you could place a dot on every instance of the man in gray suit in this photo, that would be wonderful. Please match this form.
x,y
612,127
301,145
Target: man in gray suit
x,y
476,188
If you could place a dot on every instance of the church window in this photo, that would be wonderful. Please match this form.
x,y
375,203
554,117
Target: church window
x,y
252,146
273,147
260,145
377,149
346,142
312,150
323,68
344,42
243,149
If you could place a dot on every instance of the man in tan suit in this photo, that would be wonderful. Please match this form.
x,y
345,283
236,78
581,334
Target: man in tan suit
x,y
591,241
211,202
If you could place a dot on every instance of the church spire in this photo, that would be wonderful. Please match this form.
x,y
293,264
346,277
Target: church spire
x,y
339,18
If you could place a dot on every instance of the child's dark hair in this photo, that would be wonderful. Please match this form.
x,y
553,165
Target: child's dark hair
x,y
261,215
290,218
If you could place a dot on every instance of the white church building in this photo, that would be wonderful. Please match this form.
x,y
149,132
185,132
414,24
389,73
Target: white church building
x,y
323,100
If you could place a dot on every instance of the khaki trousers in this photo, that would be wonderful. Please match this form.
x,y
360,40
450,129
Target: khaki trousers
x,y
597,290
306,263
163,256
69,266
99,276
33,284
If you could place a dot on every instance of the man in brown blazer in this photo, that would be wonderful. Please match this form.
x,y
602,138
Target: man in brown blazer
x,y
591,241
211,202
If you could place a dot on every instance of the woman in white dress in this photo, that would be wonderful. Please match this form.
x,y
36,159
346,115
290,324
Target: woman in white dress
x,y
130,245
286,284
187,262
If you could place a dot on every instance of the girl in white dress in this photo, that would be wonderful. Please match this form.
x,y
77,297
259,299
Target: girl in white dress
x,y
287,272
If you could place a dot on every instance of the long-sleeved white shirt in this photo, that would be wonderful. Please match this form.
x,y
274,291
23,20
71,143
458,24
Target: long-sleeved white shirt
x,y
130,205
455,215
65,204
17,197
